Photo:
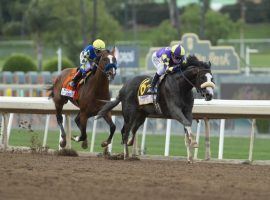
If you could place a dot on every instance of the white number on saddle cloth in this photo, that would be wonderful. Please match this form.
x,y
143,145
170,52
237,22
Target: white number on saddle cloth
x,y
146,99
67,92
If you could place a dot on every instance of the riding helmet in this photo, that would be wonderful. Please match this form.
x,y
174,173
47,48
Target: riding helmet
x,y
99,44
178,51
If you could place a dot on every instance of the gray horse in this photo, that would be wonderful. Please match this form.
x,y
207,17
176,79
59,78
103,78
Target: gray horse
x,y
175,99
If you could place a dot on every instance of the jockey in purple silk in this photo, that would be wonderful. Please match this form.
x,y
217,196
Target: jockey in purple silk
x,y
88,58
167,59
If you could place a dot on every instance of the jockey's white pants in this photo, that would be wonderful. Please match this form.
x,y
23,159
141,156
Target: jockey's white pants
x,y
158,64
85,62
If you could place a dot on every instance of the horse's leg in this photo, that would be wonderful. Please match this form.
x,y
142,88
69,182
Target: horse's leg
x,y
125,140
81,121
188,143
128,121
109,121
59,117
176,113
122,133
77,120
136,125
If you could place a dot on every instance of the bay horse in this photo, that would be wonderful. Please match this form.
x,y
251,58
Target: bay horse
x,y
91,94
175,99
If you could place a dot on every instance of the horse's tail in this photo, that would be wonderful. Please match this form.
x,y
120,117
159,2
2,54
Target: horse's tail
x,y
50,91
108,107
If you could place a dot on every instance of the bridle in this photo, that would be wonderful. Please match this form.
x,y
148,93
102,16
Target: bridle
x,y
202,86
108,65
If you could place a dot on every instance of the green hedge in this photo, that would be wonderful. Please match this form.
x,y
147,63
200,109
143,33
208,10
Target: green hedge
x,y
19,62
51,65
263,126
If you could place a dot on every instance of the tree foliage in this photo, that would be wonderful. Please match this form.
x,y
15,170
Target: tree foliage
x,y
217,25
148,12
254,12
69,32
12,12
58,23
164,34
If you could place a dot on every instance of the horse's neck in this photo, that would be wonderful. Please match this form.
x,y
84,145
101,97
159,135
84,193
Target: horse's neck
x,y
189,77
100,81
100,78
186,78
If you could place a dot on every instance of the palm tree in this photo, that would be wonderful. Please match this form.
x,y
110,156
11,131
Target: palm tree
x,y
204,7
174,15
39,21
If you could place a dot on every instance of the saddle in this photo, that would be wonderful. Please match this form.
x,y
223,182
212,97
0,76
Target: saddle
x,y
69,91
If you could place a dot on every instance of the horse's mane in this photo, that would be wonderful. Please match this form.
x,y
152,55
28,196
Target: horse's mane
x,y
104,51
192,60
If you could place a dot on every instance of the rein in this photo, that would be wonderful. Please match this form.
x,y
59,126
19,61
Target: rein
x,y
103,71
183,75
107,66
199,90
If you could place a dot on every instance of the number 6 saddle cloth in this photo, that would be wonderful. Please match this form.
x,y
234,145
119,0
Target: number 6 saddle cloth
x,y
144,97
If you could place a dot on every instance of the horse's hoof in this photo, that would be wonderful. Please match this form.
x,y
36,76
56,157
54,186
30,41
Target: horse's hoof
x,y
104,144
76,138
63,143
106,152
135,157
84,144
190,160
130,143
195,145
126,157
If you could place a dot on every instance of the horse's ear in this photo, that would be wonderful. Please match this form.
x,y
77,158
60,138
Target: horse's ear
x,y
115,52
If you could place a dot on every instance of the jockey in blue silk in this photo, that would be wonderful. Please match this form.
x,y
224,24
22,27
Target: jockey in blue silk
x,y
88,58
167,59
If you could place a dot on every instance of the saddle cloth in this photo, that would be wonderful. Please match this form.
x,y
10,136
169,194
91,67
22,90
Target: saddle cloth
x,y
67,90
143,95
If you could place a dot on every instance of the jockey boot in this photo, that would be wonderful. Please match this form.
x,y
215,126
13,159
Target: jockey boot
x,y
75,79
153,84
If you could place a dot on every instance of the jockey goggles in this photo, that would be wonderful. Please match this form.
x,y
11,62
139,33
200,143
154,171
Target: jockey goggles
x,y
97,51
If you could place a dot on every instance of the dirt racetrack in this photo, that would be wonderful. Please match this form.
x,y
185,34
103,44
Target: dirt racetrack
x,y
35,176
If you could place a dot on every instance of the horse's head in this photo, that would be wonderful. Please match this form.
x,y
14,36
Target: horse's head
x,y
198,74
204,81
108,64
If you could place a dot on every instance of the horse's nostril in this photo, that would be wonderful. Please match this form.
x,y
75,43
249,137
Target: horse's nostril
x,y
208,97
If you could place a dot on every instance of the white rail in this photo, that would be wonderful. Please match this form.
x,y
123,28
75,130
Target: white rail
x,y
215,109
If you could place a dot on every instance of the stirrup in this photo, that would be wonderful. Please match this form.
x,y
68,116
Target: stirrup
x,y
152,90
72,84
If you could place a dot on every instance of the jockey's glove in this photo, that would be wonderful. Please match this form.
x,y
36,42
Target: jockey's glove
x,y
170,70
